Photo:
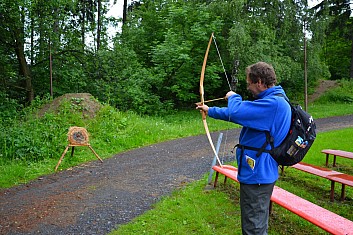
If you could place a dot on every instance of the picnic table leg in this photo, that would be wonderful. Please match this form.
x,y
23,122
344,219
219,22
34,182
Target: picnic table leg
x,y
327,155
332,194
216,179
334,160
225,179
343,192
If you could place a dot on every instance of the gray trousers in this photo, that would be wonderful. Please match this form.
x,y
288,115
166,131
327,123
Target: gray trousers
x,y
255,205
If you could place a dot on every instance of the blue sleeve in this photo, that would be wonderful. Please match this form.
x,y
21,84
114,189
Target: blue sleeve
x,y
258,114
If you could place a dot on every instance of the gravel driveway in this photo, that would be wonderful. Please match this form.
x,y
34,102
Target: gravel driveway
x,y
94,198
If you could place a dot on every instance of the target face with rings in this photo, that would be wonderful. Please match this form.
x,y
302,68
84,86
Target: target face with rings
x,y
78,136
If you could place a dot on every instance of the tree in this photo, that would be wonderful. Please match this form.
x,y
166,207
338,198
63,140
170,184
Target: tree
x,y
124,11
157,57
50,32
339,41
12,20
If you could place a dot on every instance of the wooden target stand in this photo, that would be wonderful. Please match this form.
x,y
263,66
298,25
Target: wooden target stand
x,y
77,136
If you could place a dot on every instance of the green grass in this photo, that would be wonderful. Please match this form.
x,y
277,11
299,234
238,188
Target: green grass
x,y
191,210
318,110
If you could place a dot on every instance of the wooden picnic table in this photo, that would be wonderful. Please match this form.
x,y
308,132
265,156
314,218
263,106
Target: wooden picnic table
x,y
336,153
321,217
333,176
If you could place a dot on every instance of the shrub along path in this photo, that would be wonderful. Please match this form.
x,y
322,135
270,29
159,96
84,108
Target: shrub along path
x,y
94,198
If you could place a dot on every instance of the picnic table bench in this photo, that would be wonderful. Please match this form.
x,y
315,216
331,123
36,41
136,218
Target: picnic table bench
x,y
336,153
333,176
321,217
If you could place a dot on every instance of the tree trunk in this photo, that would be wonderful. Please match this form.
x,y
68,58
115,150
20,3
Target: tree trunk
x,y
99,24
23,67
83,27
21,58
32,41
351,70
124,11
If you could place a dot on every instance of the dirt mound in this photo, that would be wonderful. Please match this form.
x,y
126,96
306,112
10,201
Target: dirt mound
x,y
83,102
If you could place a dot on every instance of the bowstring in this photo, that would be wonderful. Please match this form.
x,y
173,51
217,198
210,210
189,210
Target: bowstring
x,y
230,88
220,58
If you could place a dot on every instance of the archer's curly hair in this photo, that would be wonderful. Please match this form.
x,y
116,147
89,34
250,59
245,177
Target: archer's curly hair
x,y
262,71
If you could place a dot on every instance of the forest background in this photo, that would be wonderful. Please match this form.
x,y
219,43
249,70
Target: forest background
x,y
152,64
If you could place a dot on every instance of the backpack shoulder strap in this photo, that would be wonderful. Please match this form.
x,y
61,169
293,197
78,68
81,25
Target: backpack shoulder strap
x,y
269,138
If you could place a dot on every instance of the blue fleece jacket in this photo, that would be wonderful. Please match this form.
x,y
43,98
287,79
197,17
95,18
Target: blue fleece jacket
x,y
268,112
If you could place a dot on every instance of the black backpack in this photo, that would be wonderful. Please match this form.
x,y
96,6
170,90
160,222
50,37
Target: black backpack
x,y
300,137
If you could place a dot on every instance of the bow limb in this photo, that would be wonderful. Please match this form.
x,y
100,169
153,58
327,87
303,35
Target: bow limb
x,y
203,100
202,92
211,142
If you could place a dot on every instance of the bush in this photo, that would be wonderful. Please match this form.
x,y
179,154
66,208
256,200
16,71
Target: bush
x,y
33,139
9,108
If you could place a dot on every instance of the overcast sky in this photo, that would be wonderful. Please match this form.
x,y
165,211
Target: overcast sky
x,y
117,9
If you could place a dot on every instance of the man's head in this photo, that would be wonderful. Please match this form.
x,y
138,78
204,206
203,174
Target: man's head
x,y
259,77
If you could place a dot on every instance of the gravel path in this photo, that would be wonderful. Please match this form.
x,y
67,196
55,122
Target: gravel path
x,y
94,198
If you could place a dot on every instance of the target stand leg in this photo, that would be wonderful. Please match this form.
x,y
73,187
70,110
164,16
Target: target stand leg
x,y
62,156
72,151
89,146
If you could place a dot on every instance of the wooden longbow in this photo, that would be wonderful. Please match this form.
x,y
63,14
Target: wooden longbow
x,y
203,100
